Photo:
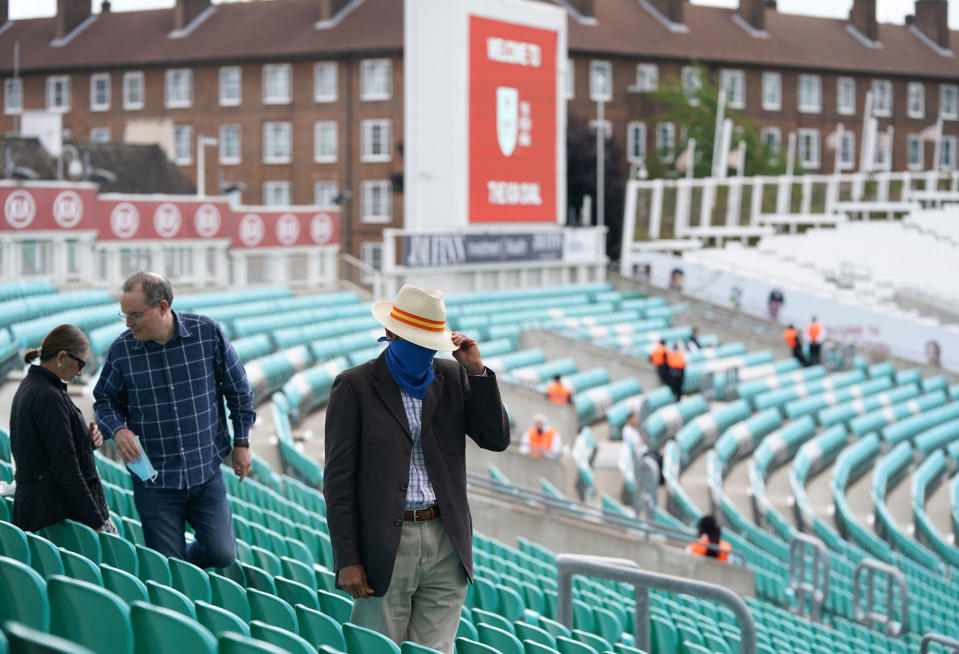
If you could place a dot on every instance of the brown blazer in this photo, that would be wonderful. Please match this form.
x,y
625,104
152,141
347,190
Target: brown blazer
x,y
368,447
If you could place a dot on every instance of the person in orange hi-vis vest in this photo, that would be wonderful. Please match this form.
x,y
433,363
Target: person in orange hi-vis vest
x,y
658,358
541,440
710,542
557,393
791,336
816,335
676,363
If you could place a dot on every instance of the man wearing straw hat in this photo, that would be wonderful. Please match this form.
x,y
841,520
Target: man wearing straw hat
x,y
395,478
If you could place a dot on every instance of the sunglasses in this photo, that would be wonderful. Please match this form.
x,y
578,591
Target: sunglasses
x,y
80,362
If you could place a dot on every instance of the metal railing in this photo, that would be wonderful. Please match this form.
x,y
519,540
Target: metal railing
x,y
928,639
626,571
868,568
802,551
361,277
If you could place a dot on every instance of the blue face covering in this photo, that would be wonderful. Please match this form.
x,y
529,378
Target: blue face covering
x,y
411,366
142,468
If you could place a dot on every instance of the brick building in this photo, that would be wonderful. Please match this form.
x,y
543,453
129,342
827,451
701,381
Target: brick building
x,y
305,97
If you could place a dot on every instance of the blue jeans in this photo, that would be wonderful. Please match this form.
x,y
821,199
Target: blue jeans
x,y
164,513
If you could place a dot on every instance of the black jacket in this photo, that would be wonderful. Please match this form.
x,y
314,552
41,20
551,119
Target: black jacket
x,y
56,476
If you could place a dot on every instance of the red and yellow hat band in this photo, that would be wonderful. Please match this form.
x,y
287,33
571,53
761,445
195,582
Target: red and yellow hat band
x,y
417,321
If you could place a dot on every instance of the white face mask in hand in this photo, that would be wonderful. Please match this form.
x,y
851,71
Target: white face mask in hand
x,y
142,468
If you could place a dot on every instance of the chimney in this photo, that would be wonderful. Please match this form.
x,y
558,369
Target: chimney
x,y
70,13
671,9
754,13
584,7
105,7
862,16
932,19
186,11
328,9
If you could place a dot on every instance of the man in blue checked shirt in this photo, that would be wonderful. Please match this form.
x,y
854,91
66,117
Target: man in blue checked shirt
x,y
161,393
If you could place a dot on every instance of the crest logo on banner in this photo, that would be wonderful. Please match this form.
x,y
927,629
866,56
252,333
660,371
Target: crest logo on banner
x,y
167,220
321,228
287,229
20,209
124,220
507,119
67,209
207,220
251,229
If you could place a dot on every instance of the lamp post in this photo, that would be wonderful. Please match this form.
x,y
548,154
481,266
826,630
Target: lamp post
x,y
201,143
75,168
600,82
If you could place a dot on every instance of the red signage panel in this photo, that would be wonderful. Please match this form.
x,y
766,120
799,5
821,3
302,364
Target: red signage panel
x,y
512,122
160,218
259,227
53,208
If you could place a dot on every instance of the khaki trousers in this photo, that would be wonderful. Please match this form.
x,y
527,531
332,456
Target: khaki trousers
x,y
426,592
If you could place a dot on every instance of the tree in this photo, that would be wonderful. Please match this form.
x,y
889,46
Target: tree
x,y
581,179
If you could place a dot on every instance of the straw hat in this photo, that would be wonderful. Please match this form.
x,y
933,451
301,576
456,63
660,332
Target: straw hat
x,y
417,315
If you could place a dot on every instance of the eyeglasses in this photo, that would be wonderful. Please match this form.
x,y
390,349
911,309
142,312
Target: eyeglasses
x,y
135,316
80,362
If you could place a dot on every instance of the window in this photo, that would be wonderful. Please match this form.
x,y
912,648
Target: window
x,y
692,82
772,140
949,101
949,154
883,151
324,141
277,84
570,79
179,88
846,96
600,81
847,152
13,96
647,78
277,144
809,148
133,91
375,140
376,200
733,82
324,193
635,142
58,93
100,92
371,252
277,193
772,91
810,94
882,97
100,135
231,86
917,100
376,79
915,152
183,144
666,140
324,81
229,144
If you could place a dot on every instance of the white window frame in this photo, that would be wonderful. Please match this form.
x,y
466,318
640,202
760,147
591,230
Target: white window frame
x,y
318,127
94,79
691,81
183,157
368,256
52,81
272,186
912,140
227,159
668,142
170,78
273,72
916,100
8,85
808,162
765,131
774,80
647,78
368,68
225,100
811,105
367,190
949,110
733,82
600,91
270,156
844,163
367,129
882,99
635,140
100,135
569,80
949,157
319,96
846,106
882,156
318,193
128,79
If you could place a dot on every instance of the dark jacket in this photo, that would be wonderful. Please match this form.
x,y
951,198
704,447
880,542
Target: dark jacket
x,y
368,448
56,474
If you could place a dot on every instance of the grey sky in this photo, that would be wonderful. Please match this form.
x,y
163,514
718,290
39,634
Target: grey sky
x,y
890,11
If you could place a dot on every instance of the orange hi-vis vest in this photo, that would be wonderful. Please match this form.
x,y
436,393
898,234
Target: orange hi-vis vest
x,y
557,393
540,442
814,329
701,548
791,336
675,360
658,355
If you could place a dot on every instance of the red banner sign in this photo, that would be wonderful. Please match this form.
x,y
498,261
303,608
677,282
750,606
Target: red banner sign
x,y
48,208
512,158
128,217
257,227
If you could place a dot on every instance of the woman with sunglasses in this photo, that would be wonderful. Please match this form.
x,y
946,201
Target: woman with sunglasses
x,y
52,445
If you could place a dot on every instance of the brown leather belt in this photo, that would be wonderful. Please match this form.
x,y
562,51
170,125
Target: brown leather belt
x,y
422,515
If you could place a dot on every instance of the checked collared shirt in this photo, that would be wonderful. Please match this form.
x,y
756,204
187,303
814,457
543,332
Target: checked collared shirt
x,y
419,493
171,396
